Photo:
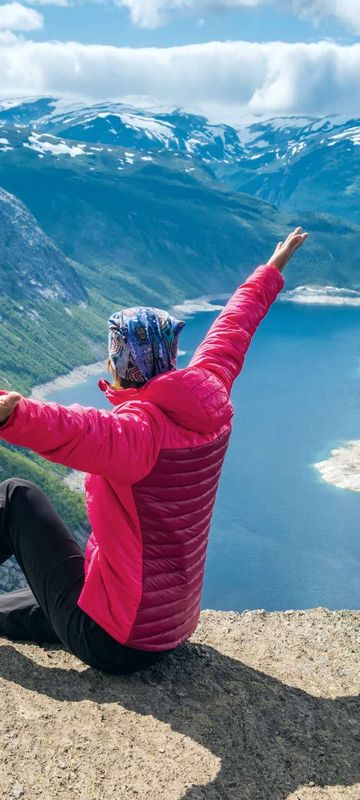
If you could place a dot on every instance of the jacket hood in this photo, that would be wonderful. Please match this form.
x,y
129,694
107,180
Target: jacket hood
x,y
193,398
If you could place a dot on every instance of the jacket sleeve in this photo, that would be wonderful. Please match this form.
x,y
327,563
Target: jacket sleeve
x,y
123,446
223,349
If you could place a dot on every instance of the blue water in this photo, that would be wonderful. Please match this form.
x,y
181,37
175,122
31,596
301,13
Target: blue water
x,y
281,537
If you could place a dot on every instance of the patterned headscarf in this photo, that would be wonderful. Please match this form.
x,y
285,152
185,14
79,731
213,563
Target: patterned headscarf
x,y
143,343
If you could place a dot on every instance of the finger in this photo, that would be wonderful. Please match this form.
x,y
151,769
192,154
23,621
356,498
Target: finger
x,y
292,244
294,233
301,241
279,246
303,238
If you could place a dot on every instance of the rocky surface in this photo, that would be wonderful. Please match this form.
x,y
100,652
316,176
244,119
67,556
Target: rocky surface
x,y
257,707
31,266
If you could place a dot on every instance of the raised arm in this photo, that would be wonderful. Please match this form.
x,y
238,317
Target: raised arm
x,y
223,349
123,446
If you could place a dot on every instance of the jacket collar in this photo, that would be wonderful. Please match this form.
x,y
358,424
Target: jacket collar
x,y
118,396
193,398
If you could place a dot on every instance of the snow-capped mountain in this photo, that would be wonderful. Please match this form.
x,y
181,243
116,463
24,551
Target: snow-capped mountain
x,y
174,130
301,165
115,185
284,137
170,130
297,163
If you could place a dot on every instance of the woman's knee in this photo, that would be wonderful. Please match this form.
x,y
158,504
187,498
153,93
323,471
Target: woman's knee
x,y
12,482
16,487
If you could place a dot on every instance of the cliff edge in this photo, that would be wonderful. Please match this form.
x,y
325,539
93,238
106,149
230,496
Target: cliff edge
x,y
257,707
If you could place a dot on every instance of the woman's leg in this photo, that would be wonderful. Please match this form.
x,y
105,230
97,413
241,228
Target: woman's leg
x,y
22,619
52,562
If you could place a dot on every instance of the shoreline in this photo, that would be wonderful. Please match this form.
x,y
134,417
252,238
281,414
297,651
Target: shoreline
x,y
314,295
77,376
321,296
303,295
198,305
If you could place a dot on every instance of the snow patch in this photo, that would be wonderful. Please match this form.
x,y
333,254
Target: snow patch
x,y
350,134
163,131
191,145
296,148
5,145
40,145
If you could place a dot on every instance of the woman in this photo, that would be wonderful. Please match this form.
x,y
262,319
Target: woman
x,y
153,466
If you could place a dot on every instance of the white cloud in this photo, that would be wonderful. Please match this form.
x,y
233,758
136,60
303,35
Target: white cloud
x,y
47,2
7,38
225,80
152,13
16,17
347,11
344,11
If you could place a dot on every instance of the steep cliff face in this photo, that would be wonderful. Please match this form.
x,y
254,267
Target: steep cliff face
x,y
31,266
258,706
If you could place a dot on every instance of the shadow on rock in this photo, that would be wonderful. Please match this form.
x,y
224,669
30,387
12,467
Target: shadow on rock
x,y
271,738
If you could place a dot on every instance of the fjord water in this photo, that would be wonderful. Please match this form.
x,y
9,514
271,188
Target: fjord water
x,y
281,537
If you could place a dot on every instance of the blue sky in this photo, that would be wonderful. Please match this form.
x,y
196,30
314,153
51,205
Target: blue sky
x,y
250,58
97,23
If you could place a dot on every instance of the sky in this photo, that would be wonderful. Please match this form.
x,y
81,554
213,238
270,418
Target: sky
x,y
229,59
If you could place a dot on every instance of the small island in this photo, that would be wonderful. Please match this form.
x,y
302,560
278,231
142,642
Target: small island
x,y
342,468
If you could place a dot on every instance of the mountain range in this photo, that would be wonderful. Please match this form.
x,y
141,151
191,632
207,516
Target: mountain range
x,y
296,163
159,205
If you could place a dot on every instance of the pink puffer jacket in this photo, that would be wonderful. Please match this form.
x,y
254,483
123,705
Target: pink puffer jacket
x,y
153,465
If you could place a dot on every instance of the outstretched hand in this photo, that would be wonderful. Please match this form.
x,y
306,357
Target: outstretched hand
x,y
285,250
7,404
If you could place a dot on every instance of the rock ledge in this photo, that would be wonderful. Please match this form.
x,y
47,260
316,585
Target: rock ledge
x,y
258,706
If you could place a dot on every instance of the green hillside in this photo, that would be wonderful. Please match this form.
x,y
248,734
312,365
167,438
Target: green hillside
x,y
70,505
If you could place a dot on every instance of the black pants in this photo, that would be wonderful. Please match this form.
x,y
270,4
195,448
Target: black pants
x,y
52,562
